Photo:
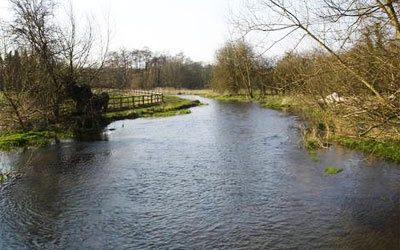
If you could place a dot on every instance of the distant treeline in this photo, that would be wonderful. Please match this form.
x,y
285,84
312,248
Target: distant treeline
x,y
144,69
374,59
48,68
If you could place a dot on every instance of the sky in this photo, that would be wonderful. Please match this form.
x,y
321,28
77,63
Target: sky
x,y
195,27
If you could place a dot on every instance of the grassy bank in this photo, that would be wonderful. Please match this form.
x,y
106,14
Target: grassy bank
x,y
207,93
322,128
287,103
387,149
225,97
326,128
12,140
172,106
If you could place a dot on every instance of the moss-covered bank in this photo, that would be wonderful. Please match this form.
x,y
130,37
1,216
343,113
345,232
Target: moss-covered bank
x,y
12,140
172,106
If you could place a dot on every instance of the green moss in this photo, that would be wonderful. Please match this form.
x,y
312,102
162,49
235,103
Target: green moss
x,y
332,170
313,156
3,177
14,140
386,149
10,141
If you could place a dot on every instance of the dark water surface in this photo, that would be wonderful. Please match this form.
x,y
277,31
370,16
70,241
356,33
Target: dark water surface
x,y
227,176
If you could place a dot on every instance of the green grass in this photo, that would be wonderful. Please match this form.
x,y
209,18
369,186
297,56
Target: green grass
x,y
241,97
3,177
386,149
332,170
230,98
169,113
276,102
23,139
14,140
172,106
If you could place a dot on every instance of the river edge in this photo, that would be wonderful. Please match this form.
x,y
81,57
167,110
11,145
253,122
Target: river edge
x,y
381,148
192,165
172,106
384,149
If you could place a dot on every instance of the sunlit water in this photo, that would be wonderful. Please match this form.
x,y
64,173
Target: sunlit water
x,y
227,176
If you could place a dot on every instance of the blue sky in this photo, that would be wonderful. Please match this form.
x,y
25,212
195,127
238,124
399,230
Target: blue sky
x,y
195,27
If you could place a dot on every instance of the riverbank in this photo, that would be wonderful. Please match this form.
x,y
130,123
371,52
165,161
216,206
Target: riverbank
x,y
17,139
320,128
324,128
172,106
234,166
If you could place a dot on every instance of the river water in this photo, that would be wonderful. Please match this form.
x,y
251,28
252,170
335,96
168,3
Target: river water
x,y
228,176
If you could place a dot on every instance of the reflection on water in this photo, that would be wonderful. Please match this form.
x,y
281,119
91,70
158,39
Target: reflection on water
x,y
229,175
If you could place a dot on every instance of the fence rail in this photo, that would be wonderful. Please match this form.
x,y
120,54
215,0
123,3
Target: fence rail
x,y
130,100
140,98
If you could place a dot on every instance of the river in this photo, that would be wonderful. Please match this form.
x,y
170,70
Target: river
x,y
228,176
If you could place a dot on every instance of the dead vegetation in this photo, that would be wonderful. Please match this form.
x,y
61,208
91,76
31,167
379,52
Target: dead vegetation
x,y
346,81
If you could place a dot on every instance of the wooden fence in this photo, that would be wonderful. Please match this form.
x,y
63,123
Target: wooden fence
x,y
138,99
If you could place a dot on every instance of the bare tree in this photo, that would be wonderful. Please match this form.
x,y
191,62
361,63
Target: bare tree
x,y
64,54
237,68
338,28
